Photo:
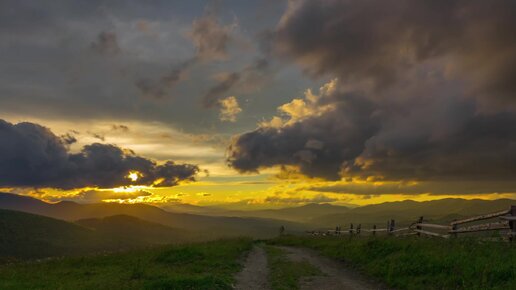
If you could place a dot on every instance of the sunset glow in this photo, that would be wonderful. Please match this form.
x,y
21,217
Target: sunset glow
x,y
191,106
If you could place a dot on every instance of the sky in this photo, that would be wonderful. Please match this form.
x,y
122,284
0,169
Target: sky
x,y
258,104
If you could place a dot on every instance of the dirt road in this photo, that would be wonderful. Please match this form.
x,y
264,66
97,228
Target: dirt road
x,y
255,274
335,276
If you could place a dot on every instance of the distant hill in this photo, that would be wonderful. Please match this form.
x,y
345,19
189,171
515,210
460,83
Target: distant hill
x,y
208,226
405,212
302,213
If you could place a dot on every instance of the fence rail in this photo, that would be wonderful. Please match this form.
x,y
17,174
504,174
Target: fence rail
x,y
507,222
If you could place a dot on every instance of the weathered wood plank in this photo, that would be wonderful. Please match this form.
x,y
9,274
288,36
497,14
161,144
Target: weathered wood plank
x,y
400,230
435,226
481,217
482,227
431,233
508,218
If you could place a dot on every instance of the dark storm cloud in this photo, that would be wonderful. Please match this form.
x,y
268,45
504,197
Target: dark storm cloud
x,y
253,73
341,135
32,156
410,102
106,44
381,41
432,137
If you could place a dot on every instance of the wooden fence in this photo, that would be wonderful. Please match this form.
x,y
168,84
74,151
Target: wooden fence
x,y
505,222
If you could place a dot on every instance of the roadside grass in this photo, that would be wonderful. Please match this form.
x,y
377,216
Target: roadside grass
x,y
420,263
209,265
286,274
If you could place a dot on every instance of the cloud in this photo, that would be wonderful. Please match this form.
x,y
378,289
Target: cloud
x,y
210,38
106,44
120,128
250,74
318,143
68,139
418,95
32,156
95,196
229,109
161,88
420,134
380,43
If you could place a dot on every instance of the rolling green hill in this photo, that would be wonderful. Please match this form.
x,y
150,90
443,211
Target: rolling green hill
x,y
24,235
29,236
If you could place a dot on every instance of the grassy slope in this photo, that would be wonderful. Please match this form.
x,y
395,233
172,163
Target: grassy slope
x,y
29,236
24,235
210,265
135,231
421,263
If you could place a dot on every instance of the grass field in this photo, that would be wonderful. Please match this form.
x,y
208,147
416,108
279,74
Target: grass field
x,y
210,265
421,263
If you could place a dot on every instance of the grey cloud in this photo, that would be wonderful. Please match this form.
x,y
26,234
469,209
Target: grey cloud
x,y
380,42
161,88
252,73
68,139
32,156
210,38
432,138
121,128
410,103
342,131
106,44
97,136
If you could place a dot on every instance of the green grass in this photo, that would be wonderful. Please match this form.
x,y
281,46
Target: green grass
x,y
286,274
209,265
421,263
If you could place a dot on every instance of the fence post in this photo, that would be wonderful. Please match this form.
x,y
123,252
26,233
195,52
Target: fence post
x,y
454,228
351,229
359,227
420,220
512,224
391,226
374,230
